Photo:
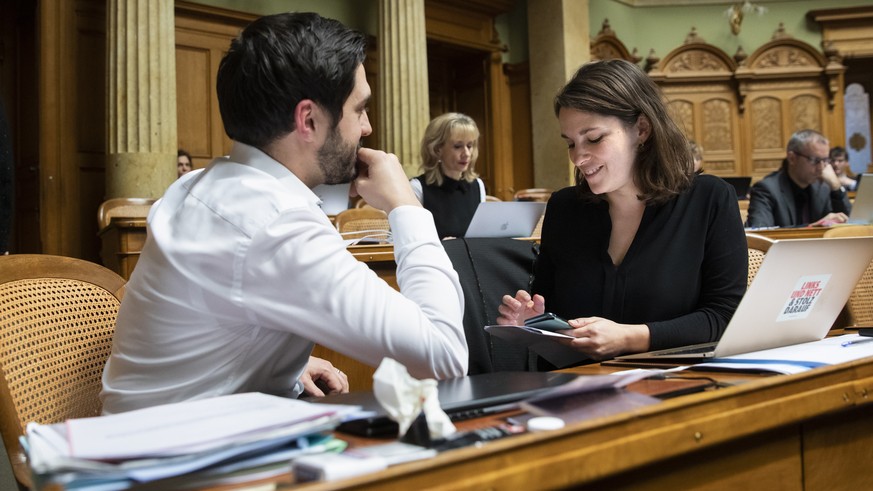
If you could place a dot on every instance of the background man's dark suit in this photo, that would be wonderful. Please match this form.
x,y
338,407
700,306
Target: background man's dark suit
x,y
772,202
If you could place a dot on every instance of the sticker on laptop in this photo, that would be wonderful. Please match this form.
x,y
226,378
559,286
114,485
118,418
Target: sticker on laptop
x,y
803,297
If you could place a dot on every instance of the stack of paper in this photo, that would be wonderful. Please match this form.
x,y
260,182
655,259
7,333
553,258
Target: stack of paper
x,y
798,357
240,436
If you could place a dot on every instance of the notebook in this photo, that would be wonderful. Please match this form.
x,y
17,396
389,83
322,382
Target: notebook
x,y
741,185
862,208
461,398
799,291
334,197
505,219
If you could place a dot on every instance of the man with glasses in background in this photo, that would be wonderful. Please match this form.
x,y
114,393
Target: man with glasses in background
x,y
804,191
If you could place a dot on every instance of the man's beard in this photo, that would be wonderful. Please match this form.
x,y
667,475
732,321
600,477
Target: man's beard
x,y
338,159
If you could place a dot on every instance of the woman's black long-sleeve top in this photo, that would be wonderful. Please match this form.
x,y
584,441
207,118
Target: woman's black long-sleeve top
x,y
683,275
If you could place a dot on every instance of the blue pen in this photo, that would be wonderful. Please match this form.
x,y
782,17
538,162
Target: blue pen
x,y
855,341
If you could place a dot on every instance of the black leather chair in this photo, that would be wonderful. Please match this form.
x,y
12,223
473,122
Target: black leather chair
x,y
489,269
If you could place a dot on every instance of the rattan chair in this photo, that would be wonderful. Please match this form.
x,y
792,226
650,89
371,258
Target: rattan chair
x,y
57,318
758,247
356,223
122,207
859,308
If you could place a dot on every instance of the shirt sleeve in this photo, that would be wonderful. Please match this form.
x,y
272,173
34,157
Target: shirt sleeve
x,y
840,202
299,277
416,188
481,190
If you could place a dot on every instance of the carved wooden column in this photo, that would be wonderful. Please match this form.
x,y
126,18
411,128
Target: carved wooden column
x,y
559,43
403,92
141,108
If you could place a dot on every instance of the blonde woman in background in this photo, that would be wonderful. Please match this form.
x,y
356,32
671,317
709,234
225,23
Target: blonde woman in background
x,y
449,186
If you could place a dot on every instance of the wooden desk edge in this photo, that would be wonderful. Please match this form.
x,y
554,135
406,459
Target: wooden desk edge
x,y
597,448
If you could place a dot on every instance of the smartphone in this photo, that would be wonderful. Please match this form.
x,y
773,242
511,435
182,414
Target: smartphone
x,y
547,322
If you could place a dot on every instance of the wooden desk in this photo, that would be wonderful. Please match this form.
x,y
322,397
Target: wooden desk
x,y
812,431
792,233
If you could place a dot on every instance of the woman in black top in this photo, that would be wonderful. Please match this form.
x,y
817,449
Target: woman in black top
x,y
449,186
643,253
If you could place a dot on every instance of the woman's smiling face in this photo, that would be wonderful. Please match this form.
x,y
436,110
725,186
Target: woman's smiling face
x,y
602,148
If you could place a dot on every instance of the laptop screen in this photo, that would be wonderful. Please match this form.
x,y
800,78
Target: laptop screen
x,y
505,219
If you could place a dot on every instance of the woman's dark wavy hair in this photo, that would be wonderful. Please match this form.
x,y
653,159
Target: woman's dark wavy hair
x,y
664,166
278,61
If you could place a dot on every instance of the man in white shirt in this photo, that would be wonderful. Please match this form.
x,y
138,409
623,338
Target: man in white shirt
x,y
242,272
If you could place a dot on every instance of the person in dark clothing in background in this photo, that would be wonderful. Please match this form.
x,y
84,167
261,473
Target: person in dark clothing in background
x,y
449,186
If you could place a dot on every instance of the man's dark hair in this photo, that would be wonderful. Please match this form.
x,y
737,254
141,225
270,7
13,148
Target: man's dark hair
x,y
278,61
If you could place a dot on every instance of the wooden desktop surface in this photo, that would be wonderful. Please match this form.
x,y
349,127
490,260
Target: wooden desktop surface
x,y
811,431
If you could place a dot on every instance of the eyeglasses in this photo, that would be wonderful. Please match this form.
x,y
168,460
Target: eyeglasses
x,y
813,160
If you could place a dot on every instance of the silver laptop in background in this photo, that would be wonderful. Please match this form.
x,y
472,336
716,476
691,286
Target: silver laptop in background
x,y
797,294
505,219
334,197
862,208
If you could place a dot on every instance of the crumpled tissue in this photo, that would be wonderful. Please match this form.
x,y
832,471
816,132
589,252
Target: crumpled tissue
x,y
405,397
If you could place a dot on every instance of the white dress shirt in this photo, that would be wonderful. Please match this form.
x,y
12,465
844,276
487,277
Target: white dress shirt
x,y
242,272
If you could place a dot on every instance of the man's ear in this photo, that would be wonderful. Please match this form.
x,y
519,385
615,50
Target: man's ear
x,y
306,117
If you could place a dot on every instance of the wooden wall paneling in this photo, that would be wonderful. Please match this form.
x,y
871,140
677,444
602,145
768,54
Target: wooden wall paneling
x,y
195,99
500,109
697,80
20,66
54,81
784,86
203,36
71,125
518,77
89,110
849,30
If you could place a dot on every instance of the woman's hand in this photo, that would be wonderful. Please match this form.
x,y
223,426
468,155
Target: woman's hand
x,y
514,311
601,339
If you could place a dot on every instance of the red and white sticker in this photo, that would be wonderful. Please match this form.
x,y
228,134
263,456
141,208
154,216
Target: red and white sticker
x,y
803,297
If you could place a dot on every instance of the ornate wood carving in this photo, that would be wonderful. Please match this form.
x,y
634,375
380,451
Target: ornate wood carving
x,y
607,46
697,79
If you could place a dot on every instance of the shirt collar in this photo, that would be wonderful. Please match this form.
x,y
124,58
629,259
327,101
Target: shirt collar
x,y
257,159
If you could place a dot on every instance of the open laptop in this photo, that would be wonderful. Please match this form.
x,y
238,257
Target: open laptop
x,y
799,291
334,197
461,398
862,208
505,219
741,185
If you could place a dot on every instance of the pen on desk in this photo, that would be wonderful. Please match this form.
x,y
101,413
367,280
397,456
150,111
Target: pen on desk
x,y
855,341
